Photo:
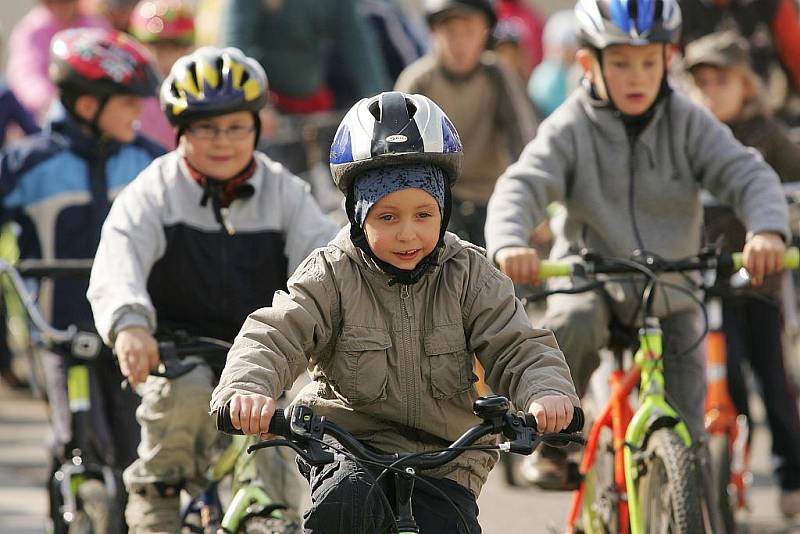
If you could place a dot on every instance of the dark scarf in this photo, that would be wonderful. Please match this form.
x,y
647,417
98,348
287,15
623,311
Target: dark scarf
x,y
223,192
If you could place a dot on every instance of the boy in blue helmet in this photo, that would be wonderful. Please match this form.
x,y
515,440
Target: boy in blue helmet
x,y
389,318
202,237
628,158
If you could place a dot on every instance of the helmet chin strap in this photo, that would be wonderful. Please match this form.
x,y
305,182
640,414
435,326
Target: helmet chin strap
x,y
94,123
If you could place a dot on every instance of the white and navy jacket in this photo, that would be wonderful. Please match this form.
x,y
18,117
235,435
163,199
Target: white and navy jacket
x,y
165,260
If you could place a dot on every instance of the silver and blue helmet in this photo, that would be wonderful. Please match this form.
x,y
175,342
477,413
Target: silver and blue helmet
x,y
394,128
603,23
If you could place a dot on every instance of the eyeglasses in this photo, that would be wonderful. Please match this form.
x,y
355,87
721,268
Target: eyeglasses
x,y
237,132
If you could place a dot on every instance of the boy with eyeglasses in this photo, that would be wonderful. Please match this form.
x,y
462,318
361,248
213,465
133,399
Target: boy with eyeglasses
x,y
201,238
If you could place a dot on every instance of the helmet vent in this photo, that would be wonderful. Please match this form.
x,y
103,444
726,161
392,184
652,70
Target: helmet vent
x,y
633,9
375,109
411,107
659,10
192,70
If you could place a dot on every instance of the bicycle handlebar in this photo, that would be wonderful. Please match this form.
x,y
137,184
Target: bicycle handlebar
x,y
56,268
40,268
304,431
595,264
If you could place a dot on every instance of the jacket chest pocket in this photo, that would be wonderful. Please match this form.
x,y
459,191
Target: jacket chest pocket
x,y
360,368
448,361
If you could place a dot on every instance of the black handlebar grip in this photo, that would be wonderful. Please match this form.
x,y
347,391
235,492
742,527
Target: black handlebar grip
x,y
576,425
278,425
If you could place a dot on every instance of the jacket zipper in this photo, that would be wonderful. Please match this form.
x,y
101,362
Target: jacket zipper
x,y
631,195
411,389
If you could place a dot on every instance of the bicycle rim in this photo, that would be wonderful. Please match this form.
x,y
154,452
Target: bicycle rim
x,y
669,491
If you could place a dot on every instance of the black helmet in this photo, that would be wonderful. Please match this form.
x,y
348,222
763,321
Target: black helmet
x,y
394,128
435,9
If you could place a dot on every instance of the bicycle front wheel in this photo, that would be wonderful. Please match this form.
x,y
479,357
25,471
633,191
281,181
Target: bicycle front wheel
x,y
669,492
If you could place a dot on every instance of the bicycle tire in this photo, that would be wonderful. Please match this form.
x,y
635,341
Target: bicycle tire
x,y
95,512
720,453
669,490
600,500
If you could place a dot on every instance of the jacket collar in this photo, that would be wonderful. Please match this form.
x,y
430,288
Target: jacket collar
x,y
85,145
342,241
607,122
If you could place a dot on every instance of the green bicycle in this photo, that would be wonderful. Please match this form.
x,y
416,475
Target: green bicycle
x,y
251,510
640,470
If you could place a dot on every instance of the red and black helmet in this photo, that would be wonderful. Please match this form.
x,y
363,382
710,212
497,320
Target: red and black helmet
x,y
101,63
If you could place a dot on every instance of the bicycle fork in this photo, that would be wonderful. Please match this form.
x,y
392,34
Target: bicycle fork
x,y
69,477
654,406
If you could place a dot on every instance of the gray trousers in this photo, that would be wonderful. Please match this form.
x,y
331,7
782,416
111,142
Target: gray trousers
x,y
581,326
176,445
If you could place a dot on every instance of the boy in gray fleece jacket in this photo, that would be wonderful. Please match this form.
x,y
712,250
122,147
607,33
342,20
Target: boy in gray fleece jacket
x,y
628,158
389,318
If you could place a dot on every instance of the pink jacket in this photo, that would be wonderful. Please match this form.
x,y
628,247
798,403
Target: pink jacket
x,y
155,126
29,53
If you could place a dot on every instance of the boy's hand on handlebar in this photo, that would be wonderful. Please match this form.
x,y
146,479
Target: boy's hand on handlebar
x,y
521,264
137,352
252,414
763,255
553,413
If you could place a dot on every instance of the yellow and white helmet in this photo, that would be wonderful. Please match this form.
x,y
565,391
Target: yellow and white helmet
x,y
213,81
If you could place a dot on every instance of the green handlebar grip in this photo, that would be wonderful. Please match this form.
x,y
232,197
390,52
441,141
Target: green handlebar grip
x,y
552,269
791,259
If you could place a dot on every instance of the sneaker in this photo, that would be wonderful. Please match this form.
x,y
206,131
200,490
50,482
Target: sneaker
x,y
548,469
789,503
149,513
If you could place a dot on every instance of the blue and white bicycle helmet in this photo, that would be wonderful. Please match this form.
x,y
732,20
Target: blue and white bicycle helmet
x,y
603,23
394,128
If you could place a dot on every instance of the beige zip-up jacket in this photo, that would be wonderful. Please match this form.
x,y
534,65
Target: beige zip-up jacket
x,y
393,364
